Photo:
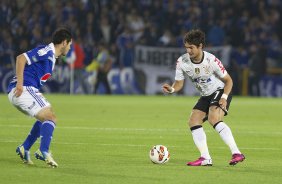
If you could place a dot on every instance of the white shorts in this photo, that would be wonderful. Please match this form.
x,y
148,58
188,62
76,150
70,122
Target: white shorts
x,y
30,102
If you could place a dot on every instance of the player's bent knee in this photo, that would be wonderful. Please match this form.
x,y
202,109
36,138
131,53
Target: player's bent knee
x,y
190,124
46,114
193,123
51,117
48,118
54,119
213,119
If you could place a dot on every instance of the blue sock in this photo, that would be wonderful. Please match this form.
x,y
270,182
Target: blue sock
x,y
32,136
46,133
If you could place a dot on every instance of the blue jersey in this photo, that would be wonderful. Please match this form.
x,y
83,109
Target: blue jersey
x,y
40,64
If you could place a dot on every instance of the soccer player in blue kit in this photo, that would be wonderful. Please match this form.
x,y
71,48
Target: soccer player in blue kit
x,y
33,69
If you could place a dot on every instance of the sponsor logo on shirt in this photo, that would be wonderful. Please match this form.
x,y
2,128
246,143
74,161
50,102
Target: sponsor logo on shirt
x,y
44,78
218,62
201,80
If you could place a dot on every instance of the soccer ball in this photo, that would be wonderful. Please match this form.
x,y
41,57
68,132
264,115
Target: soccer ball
x,y
159,154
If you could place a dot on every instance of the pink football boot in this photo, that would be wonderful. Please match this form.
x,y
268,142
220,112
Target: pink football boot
x,y
201,162
237,157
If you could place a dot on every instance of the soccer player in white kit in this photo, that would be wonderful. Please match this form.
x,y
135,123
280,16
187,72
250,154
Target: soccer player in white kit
x,y
214,84
33,69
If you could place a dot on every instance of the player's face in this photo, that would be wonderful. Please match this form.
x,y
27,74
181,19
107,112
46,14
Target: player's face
x,y
193,50
66,47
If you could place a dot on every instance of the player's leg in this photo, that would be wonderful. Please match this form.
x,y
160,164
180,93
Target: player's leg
x,y
23,149
48,119
32,136
33,103
199,138
215,118
98,81
26,103
106,83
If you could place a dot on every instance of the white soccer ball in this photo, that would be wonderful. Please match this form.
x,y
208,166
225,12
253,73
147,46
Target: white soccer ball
x,y
159,154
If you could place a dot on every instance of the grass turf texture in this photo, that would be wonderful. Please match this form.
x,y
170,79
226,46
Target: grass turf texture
x,y
106,139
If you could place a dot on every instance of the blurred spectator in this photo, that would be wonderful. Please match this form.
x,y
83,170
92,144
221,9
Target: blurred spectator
x,y
125,43
105,62
257,68
216,35
238,62
148,22
149,36
93,29
136,24
7,49
36,37
78,65
166,39
106,29
88,44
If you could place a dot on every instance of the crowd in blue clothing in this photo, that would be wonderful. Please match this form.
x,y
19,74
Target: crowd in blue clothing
x,y
122,24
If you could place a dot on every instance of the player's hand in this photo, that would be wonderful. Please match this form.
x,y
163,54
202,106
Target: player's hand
x,y
166,88
19,90
222,103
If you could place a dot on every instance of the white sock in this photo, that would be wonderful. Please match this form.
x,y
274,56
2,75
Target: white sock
x,y
226,135
200,140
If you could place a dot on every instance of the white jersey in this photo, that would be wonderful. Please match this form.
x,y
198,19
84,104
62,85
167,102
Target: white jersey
x,y
204,75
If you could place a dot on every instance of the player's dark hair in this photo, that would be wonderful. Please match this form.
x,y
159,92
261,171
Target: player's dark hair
x,y
60,35
195,37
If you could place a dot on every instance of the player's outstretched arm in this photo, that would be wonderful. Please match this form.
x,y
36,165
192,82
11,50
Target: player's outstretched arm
x,y
176,86
166,88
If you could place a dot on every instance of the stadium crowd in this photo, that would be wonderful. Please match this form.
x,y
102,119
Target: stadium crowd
x,y
253,28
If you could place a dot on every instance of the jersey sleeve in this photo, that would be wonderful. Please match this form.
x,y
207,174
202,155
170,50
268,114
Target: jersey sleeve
x,y
35,55
218,68
179,75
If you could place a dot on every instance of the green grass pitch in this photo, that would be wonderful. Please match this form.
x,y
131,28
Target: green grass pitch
x,y
106,139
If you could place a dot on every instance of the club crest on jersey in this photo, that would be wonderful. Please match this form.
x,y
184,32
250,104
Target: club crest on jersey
x,y
44,78
207,69
197,70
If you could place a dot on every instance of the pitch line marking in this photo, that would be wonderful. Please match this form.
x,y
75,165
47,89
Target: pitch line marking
x,y
133,145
